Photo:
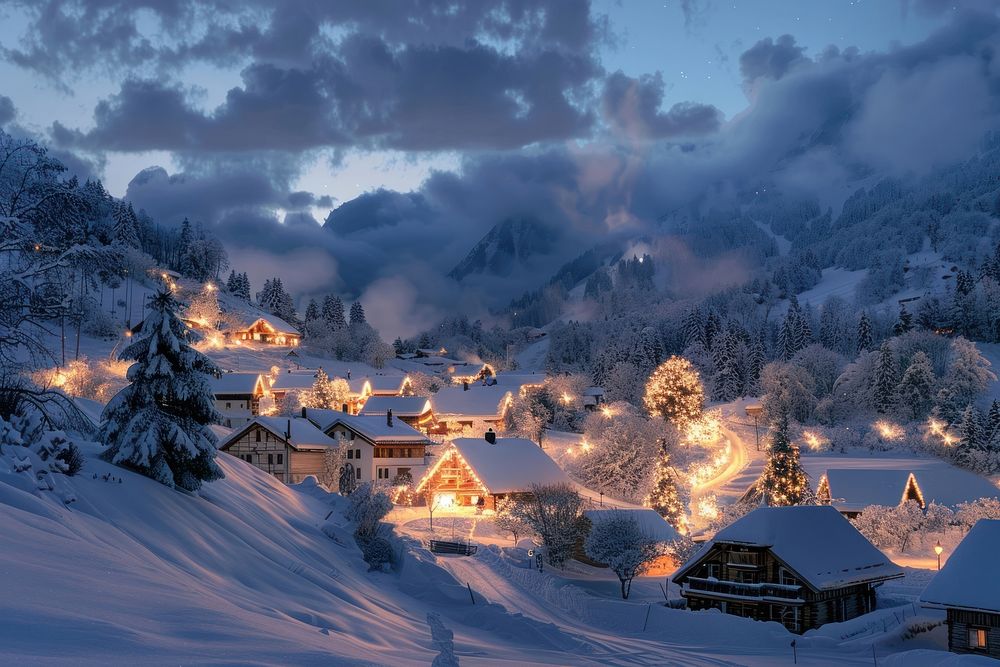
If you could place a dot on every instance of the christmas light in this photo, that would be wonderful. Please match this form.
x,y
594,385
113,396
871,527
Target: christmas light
x,y
674,391
813,441
888,431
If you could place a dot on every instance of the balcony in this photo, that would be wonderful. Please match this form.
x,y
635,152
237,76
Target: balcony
x,y
743,559
743,591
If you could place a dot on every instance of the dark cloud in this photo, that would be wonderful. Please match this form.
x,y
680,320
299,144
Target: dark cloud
x,y
771,58
632,108
7,110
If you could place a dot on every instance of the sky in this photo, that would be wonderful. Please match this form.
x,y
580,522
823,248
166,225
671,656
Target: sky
x,y
429,121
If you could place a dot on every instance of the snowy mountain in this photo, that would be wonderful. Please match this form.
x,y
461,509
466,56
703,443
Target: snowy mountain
x,y
506,246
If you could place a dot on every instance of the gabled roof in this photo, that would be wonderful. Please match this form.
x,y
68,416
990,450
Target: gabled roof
x,y
237,383
304,434
515,382
273,321
294,381
968,580
401,406
650,522
853,489
814,541
387,385
511,465
375,429
477,402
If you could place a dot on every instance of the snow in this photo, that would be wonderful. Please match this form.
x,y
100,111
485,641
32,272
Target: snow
x,y
401,406
381,384
294,381
510,465
235,383
650,522
852,490
968,579
477,402
373,428
515,381
813,540
304,434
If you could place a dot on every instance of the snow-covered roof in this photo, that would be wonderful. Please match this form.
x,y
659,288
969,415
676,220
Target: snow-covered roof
x,y
650,522
294,381
401,406
236,383
387,385
273,321
815,541
593,391
509,466
853,489
477,402
516,381
372,428
304,434
968,580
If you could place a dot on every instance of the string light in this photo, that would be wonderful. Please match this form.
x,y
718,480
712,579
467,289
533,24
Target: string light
x,y
888,431
674,391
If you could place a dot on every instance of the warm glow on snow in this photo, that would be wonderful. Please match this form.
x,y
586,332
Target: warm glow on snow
x,y
813,441
888,431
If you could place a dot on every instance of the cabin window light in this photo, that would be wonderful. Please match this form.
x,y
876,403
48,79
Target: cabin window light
x,y
978,638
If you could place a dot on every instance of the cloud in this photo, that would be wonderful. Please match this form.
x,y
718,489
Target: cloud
x,y
7,110
631,106
771,58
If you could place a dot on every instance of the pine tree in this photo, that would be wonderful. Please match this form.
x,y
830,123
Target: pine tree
x,y
357,314
783,481
905,322
333,313
312,316
158,424
184,247
674,391
244,292
694,328
865,335
993,422
665,496
915,390
126,225
233,283
885,379
756,364
970,444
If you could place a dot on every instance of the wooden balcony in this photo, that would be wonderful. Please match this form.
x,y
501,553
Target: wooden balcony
x,y
718,588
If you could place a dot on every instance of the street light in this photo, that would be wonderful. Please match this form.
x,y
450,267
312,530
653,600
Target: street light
x,y
755,412
938,549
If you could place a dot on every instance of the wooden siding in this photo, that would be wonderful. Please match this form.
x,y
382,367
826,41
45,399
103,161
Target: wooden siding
x,y
295,465
959,624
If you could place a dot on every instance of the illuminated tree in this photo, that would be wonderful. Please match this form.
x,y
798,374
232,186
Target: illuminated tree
x,y
665,496
674,391
783,481
327,393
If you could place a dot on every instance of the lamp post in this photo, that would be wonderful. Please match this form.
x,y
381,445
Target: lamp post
x,y
938,549
755,412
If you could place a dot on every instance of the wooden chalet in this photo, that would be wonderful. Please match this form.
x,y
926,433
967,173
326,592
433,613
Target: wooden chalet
x,y
237,396
268,329
389,385
968,589
413,410
379,448
488,468
850,490
459,408
801,566
289,449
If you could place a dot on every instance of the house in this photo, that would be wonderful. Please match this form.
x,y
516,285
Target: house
x,y
378,447
237,396
850,490
650,522
413,410
457,408
268,329
291,382
968,589
470,373
520,383
289,449
424,352
592,397
389,385
801,566
488,468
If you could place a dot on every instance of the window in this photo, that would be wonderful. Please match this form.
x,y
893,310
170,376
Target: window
x,y
357,453
228,405
712,570
744,577
257,435
977,638
352,435
350,453
270,459
785,578
358,471
249,458
281,459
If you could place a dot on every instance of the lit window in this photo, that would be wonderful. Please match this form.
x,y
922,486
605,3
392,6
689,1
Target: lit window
x,y
977,638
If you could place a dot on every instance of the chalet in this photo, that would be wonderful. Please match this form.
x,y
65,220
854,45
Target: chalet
x,y
425,352
968,589
291,382
470,469
593,397
471,373
289,449
378,447
650,522
413,410
268,329
457,408
850,490
389,385
801,566
237,396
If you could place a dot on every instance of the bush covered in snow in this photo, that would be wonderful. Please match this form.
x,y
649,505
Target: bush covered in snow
x,y
619,542
367,506
377,552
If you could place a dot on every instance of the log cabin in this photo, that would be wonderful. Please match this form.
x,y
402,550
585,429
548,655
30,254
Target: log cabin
x,y
237,397
488,468
801,566
289,449
267,329
413,410
968,589
379,448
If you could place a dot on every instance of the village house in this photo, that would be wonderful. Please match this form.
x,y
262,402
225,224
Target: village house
x,y
289,449
237,397
969,592
379,448
291,382
459,408
471,373
489,468
389,385
267,329
801,566
850,490
413,410
592,397
518,383
650,523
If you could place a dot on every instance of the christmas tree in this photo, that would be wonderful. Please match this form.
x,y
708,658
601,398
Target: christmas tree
x,y
783,481
158,424
665,497
674,391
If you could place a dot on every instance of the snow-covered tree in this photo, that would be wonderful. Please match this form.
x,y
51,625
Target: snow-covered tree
x,y
968,372
674,391
553,512
619,542
665,496
275,300
623,446
509,518
328,393
885,380
333,313
357,313
159,424
865,336
783,481
367,506
915,388
969,513
968,451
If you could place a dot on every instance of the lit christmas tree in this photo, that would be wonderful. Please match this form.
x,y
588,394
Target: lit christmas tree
x,y
665,495
783,481
674,391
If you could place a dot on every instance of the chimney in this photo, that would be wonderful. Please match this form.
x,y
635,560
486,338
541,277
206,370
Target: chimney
x,y
388,417
288,431
303,412
491,437
465,385
344,407
348,374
